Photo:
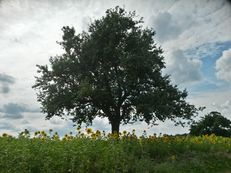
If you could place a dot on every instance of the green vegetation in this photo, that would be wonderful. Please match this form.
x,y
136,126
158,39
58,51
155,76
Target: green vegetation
x,y
213,123
98,152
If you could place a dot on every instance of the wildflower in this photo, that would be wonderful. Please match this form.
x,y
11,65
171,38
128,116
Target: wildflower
x,y
36,133
124,132
165,135
24,134
98,133
26,131
115,135
78,128
93,136
109,135
78,133
120,134
173,157
66,137
82,135
43,132
104,133
89,130
4,135
55,137
144,134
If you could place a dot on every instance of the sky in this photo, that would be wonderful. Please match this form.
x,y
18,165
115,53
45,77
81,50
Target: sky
x,y
195,36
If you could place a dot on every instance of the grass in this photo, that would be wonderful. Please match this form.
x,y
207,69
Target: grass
x,y
96,152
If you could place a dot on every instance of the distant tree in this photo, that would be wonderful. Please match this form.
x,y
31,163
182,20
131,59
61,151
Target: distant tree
x,y
114,70
213,123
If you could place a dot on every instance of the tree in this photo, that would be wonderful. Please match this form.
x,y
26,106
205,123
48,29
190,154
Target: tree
x,y
212,123
114,70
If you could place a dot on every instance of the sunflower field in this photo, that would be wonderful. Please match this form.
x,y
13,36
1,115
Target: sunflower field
x,y
98,152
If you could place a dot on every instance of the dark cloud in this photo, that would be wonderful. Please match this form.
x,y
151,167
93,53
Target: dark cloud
x,y
4,78
13,108
24,121
166,27
7,126
15,111
5,82
5,89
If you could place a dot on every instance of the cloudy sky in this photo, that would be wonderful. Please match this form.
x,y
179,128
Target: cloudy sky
x,y
195,36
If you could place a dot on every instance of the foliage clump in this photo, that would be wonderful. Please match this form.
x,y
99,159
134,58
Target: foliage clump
x,y
213,123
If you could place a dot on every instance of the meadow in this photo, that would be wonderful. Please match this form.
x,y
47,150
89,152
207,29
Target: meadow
x,y
98,152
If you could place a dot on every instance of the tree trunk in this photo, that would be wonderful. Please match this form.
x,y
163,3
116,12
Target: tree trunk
x,y
115,126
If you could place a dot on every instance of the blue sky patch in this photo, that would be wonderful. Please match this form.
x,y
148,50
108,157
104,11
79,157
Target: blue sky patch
x,y
208,53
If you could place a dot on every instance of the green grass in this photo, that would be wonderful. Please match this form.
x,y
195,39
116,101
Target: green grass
x,y
130,154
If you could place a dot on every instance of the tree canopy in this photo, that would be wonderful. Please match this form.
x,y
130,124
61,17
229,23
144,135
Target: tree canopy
x,y
212,123
113,70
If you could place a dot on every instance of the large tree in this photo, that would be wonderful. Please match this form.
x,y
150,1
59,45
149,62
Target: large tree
x,y
113,70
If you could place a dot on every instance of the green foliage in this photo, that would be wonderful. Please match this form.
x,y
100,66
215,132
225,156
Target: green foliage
x,y
113,70
110,154
213,123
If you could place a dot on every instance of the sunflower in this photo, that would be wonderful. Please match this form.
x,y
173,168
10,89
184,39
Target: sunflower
x,y
89,130
4,135
78,128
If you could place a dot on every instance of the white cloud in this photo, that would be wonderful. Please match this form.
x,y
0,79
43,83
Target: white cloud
x,y
101,124
218,100
200,22
223,66
182,69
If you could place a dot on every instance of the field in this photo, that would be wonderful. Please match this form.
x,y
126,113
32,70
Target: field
x,y
97,152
